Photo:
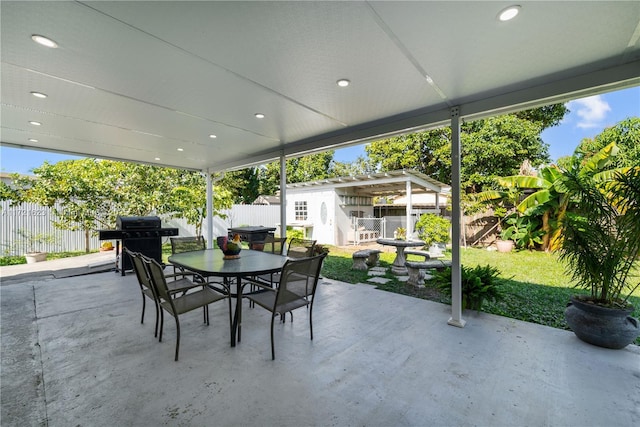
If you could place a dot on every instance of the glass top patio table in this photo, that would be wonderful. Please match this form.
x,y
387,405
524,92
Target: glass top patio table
x,y
210,263
398,266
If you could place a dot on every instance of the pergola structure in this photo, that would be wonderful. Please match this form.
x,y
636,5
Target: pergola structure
x,y
382,184
216,86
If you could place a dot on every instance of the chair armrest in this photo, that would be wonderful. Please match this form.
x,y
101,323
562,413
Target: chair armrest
x,y
259,284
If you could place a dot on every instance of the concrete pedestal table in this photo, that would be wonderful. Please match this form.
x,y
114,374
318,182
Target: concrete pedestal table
x,y
398,267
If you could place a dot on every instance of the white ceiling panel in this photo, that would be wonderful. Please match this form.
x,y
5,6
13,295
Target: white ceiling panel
x,y
138,80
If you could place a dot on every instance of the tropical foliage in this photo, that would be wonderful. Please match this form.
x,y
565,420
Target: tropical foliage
x,y
479,284
549,197
601,232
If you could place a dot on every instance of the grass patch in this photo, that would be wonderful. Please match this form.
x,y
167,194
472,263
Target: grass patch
x,y
18,259
535,285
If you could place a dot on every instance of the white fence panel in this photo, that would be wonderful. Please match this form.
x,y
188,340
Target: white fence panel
x,y
35,219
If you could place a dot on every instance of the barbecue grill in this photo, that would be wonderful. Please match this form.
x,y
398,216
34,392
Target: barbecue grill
x,y
138,234
252,234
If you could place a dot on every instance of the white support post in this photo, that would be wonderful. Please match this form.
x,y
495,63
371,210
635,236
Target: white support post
x,y
456,283
408,211
283,195
209,210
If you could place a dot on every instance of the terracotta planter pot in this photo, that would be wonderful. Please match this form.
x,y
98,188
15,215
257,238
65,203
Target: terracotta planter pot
x,y
504,245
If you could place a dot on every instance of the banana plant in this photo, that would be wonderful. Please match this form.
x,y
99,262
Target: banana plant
x,y
551,197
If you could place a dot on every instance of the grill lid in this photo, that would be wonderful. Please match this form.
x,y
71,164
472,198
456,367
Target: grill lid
x,y
138,223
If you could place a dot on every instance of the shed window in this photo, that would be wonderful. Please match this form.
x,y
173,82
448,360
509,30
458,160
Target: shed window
x,y
301,211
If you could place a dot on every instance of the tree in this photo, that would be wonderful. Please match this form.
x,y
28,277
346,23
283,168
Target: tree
x,y
626,135
188,198
300,169
490,147
244,185
91,193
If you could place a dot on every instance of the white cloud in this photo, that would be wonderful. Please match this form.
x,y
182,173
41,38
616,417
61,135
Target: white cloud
x,y
592,111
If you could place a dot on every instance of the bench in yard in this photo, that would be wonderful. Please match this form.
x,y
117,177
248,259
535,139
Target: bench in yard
x,y
365,258
416,269
425,254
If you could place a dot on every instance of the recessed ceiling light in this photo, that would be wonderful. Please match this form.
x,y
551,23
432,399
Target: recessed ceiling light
x,y
180,149
33,140
212,136
32,122
39,94
260,115
509,13
343,82
44,41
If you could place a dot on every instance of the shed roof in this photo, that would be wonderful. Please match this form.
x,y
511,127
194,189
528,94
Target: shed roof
x,y
378,184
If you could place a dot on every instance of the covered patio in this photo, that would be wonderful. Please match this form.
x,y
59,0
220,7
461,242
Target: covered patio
x,y
74,353
230,85
220,86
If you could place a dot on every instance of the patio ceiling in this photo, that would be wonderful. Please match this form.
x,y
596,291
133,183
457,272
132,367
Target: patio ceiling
x,y
138,81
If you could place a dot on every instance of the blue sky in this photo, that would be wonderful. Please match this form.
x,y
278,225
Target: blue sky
x,y
588,117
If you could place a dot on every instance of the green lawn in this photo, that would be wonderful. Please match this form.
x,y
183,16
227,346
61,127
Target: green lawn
x,y
535,286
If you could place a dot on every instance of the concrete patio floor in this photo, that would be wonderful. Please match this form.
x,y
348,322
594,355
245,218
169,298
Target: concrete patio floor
x,y
74,353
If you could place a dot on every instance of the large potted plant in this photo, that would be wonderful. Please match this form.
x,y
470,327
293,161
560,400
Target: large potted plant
x,y
34,242
601,248
434,231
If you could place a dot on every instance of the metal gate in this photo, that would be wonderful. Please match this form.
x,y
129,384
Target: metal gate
x,y
366,229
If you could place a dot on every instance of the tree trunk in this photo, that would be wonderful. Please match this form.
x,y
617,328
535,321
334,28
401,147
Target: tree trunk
x,y
87,242
547,231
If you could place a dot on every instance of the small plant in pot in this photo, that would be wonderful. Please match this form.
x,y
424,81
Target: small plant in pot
x,y
400,233
601,248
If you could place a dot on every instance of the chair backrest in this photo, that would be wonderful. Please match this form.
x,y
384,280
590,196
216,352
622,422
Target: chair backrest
x,y
187,244
300,248
274,245
139,268
157,277
299,278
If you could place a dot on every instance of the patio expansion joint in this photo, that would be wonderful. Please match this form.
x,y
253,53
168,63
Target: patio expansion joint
x,y
72,311
37,344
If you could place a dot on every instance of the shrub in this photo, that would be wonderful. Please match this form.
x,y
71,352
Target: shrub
x,y
478,284
433,229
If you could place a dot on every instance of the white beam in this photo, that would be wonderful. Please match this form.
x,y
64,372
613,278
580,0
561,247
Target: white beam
x,y
209,210
283,195
409,208
456,282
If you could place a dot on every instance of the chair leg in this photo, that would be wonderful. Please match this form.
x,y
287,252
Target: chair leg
x,y
311,320
273,352
177,337
144,303
161,324
230,319
157,317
